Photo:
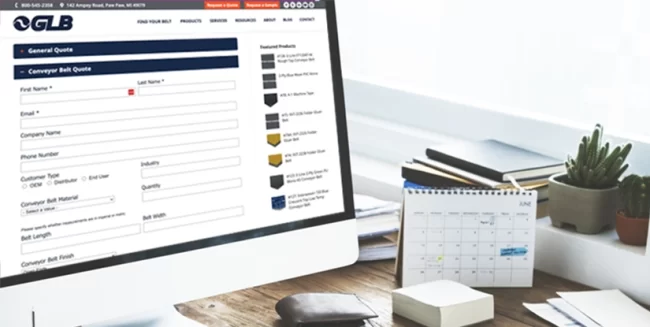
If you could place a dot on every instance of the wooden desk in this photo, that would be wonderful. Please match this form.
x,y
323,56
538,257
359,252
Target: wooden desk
x,y
371,281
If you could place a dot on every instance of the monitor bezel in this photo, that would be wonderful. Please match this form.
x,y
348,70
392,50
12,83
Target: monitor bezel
x,y
346,180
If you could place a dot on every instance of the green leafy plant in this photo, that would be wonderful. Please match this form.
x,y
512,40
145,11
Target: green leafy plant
x,y
635,196
595,167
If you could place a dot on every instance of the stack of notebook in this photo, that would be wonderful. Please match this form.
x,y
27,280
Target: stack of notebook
x,y
377,227
486,163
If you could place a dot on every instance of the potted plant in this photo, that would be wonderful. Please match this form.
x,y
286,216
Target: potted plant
x,y
586,195
632,220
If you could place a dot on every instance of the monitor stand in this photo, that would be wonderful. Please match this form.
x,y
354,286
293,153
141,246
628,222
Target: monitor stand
x,y
167,317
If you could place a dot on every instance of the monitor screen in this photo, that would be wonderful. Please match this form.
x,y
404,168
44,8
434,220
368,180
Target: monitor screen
x,y
133,130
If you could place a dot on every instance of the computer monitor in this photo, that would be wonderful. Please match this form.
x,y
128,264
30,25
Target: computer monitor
x,y
160,152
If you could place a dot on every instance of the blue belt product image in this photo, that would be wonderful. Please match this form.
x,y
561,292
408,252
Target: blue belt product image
x,y
278,202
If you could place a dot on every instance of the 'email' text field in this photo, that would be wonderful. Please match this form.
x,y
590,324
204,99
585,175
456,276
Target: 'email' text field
x,y
120,116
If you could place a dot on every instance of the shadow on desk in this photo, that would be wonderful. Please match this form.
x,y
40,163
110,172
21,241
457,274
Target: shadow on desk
x,y
373,282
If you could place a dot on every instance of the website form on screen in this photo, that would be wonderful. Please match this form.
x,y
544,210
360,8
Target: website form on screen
x,y
128,130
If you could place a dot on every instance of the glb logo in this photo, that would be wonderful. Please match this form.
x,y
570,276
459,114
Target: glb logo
x,y
43,23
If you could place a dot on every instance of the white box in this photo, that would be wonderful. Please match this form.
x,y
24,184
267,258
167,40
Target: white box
x,y
443,303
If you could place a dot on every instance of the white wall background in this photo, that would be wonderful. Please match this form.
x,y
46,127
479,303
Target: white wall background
x,y
575,62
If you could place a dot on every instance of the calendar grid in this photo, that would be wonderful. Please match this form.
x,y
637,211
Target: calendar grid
x,y
478,248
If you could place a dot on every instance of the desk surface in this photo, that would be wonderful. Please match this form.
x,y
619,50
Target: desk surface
x,y
373,282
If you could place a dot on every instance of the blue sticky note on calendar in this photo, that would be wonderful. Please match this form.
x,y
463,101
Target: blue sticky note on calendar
x,y
513,252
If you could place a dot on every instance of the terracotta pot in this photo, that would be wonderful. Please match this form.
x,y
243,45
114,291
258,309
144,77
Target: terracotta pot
x,y
632,231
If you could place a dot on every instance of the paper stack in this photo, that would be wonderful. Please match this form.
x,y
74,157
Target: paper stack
x,y
443,303
609,308
377,225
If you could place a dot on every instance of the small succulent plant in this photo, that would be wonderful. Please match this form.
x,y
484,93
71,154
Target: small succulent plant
x,y
635,195
595,166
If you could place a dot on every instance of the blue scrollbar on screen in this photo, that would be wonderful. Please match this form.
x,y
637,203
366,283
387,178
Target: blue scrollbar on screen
x,y
123,67
79,49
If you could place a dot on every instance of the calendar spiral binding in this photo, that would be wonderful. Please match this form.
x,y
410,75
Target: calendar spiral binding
x,y
470,191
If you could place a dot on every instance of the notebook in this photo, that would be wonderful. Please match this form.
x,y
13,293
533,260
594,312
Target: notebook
x,y
495,160
427,172
478,237
429,176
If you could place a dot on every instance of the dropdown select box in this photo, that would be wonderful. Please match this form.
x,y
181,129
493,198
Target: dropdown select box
x,y
48,208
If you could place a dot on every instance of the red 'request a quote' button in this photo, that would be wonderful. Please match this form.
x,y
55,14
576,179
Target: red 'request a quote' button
x,y
222,4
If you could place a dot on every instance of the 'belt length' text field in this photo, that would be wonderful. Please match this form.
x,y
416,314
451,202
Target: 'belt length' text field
x,y
82,238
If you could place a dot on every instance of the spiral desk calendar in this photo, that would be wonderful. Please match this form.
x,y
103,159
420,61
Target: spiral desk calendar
x,y
479,237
